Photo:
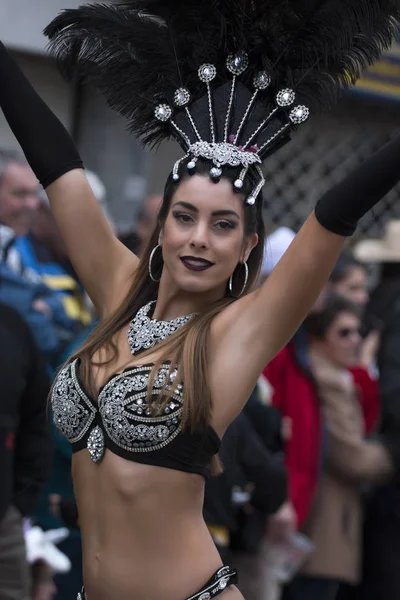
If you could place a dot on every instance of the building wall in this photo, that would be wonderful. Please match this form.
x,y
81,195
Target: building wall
x,y
22,21
47,81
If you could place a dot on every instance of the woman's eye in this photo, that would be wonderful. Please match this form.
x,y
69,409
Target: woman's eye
x,y
225,225
183,217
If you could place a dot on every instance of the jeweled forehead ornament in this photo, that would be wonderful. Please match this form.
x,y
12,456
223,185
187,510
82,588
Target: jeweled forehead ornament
x,y
232,150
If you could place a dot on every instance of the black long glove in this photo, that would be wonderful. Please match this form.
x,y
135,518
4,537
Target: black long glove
x,y
46,143
340,209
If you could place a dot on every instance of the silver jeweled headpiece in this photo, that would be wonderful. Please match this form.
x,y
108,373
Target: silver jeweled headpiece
x,y
233,149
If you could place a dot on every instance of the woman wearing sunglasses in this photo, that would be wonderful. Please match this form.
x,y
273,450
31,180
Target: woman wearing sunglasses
x,y
347,459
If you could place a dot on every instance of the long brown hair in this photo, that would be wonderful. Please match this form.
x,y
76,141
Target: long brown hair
x,y
187,348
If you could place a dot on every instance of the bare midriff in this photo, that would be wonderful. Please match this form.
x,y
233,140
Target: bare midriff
x,y
144,537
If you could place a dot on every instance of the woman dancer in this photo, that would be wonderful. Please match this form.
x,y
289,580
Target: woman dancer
x,y
182,338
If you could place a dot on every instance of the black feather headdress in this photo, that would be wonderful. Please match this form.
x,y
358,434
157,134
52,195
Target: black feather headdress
x,y
228,79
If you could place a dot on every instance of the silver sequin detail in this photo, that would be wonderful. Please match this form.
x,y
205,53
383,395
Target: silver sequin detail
x,y
144,333
237,63
73,413
122,405
96,444
207,73
163,112
125,414
285,97
224,154
223,583
299,114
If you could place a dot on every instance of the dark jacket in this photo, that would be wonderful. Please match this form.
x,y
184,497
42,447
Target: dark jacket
x,y
24,431
246,461
389,369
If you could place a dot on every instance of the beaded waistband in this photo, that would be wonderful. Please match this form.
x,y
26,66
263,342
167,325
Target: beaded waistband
x,y
223,578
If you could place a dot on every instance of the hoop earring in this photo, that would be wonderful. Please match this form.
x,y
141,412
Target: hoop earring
x,y
150,263
246,277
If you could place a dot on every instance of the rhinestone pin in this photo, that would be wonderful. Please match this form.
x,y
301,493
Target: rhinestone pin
x,y
299,114
163,112
182,97
285,97
262,80
207,73
96,444
237,63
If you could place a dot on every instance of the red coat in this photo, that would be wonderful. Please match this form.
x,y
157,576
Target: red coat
x,y
295,397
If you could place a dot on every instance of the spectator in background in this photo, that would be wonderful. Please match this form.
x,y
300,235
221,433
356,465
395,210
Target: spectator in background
x,y
144,225
345,458
381,575
29,299
19,193
252,476
349,279
42,258
24,446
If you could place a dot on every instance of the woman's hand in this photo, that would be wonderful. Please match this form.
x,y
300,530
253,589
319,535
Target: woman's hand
x,y
369,349
282,524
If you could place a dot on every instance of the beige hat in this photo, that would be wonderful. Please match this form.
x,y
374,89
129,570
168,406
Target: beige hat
x,y
386,249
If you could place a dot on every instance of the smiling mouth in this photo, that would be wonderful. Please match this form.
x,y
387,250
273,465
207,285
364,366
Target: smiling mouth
x,y
196,264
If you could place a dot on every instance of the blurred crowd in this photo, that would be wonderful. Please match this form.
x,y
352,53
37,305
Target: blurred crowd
x,y
308,503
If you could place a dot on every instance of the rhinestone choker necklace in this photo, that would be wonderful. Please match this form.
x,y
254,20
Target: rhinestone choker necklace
x,y
144,332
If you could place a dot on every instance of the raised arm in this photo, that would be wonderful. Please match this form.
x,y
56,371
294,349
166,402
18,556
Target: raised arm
x,y
103,264
252,330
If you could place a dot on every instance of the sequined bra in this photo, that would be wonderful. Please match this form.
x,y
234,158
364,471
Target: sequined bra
x,y
120,420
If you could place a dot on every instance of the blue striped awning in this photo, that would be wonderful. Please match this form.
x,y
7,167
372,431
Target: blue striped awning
x,y
383,79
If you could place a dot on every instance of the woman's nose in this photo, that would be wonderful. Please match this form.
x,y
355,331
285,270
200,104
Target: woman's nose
x,y
200,238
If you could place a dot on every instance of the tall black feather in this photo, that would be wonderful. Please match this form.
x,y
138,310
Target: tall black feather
x,y
138,52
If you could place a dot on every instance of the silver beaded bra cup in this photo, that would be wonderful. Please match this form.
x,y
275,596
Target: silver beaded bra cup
x,y
144,332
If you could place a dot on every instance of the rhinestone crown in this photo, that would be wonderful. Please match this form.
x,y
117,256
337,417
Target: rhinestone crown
x,y
231,150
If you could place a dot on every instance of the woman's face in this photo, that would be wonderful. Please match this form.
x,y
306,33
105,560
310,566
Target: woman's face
x,y
354,286
203,238
342,340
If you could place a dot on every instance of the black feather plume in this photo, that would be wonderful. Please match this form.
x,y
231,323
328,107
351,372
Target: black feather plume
x,y
138,52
